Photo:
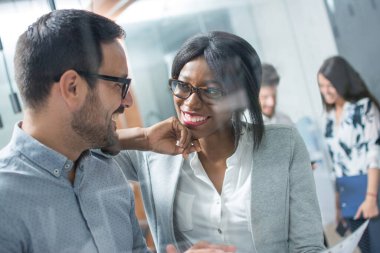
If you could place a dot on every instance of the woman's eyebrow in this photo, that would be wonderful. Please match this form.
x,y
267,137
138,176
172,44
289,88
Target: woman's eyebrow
x,y
184,77
188,79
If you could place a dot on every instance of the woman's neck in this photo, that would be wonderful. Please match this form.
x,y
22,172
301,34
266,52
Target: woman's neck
x,y
217,147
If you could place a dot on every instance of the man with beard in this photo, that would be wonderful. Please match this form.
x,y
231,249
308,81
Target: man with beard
x,y
56,195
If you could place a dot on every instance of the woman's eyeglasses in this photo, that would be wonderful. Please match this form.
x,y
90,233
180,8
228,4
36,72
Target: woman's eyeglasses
x,y
184,90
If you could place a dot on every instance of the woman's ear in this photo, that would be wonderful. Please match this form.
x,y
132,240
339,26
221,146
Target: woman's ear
x,y
73,89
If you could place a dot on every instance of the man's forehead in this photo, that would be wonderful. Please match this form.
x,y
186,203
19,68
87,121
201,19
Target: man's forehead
x,y
114,58
268,89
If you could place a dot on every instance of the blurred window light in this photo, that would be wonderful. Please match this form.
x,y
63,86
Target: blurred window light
x,y
149,10
331,5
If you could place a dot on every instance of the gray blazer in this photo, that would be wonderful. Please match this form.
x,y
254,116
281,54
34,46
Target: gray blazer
x,y
285,215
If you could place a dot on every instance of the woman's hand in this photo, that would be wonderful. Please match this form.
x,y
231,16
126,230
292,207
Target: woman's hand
x,y
368,209
171,137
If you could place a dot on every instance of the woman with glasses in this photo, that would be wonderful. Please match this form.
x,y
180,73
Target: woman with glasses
x,y
352,134
248,185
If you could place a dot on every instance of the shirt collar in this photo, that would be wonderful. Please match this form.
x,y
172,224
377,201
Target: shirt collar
x,y
47,158
271,120
244,146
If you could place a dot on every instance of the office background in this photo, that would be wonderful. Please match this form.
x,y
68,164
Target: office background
x,y
293,35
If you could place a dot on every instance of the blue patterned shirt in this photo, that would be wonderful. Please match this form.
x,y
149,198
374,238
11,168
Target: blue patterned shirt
x,y
41,211
354,143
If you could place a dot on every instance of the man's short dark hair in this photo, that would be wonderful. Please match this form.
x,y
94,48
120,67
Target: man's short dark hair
x,y
56,42
270,76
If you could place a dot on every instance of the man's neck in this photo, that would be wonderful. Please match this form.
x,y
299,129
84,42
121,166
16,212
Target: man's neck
x,y
269,117
53,135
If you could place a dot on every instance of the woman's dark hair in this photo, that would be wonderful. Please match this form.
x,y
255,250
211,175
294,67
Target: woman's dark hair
x,y
56,42
346,80
236,65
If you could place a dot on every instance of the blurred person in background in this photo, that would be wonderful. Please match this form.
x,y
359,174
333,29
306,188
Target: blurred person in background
x,y
352,133
248,185
268,97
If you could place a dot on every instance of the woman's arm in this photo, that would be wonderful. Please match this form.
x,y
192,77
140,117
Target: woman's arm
x,y
369,208
371,119
166,137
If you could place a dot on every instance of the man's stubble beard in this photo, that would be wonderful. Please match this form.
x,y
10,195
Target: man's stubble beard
x,y
86,124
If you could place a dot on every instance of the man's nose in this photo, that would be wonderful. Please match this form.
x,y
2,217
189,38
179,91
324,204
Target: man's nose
x,y
271,101
128,100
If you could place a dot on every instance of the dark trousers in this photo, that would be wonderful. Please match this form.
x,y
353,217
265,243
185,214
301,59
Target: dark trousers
x,y
370,241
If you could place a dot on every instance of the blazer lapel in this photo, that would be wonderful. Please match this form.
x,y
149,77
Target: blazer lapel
x,y
164,182
255,197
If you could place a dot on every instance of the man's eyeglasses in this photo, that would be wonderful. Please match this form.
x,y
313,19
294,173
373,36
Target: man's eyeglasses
x,y
124,83
184,90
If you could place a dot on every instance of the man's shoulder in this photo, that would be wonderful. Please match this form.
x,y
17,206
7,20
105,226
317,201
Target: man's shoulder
x,y
6,154
12,176
8,158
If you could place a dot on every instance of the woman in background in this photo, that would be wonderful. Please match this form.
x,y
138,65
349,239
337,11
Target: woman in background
x,y
352,132
248,186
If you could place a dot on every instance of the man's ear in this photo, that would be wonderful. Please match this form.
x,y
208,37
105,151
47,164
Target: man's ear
x,y
73,89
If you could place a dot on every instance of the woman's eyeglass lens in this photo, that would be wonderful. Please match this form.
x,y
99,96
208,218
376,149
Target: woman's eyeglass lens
x,y
184,90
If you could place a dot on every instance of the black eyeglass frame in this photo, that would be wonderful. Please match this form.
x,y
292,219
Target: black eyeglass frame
x,y
194,90
125,82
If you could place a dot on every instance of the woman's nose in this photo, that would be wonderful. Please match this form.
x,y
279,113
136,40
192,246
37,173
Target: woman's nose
x,y
194,100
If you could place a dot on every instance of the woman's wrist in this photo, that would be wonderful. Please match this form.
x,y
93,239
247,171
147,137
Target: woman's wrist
x,y
372,194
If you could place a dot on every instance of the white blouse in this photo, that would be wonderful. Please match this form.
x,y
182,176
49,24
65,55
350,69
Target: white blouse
x,y
201,213
354,143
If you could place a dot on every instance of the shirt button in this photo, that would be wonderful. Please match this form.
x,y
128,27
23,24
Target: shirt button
x,y
219,231
67,166
56,172
344,204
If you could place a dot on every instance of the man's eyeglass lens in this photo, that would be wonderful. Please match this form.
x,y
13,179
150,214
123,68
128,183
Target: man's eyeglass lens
x,y
124,82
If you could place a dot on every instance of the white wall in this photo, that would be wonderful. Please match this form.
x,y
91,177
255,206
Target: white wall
x,y
357,33
14,20
295,36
